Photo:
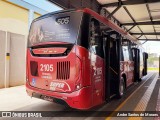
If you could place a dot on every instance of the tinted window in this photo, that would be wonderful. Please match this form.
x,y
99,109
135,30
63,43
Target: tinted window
x,y
63,27
95,40
126,50
84,32
141,57
125,53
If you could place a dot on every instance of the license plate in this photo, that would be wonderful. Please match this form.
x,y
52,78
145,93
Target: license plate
x,y
47,98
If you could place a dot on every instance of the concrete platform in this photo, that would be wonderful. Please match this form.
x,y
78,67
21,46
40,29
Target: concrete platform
x,y
16,99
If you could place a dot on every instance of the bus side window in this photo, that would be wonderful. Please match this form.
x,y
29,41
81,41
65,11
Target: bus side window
x,y
130,51
96,44
125,53
141,57
122,55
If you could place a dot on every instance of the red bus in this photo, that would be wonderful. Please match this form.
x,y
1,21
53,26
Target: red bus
x,y
81,58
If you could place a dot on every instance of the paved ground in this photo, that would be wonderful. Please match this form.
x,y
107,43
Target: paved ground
x,y
144,94
16,98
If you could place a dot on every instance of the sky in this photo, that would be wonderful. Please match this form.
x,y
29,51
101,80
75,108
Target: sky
x,y
152,47
44,4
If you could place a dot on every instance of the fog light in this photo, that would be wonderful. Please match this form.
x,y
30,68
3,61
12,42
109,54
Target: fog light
x,y
78,86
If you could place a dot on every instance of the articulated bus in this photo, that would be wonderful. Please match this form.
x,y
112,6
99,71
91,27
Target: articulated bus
x,y
80,58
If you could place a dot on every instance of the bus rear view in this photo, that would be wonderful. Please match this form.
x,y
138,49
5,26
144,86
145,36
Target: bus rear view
x,y
54,62
80,58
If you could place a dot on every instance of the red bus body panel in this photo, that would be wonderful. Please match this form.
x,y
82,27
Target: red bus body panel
x,y
127,69
91,92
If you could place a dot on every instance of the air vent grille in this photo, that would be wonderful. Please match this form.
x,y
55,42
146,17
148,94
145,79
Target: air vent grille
x,y
63,70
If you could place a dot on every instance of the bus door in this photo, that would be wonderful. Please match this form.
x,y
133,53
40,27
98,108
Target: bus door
x,y
136,59
141,63
97,62
111,55
145,63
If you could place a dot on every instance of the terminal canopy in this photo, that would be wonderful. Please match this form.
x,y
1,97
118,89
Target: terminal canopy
x,y
141,18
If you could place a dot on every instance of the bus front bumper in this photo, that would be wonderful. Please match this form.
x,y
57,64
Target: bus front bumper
x,y
80,99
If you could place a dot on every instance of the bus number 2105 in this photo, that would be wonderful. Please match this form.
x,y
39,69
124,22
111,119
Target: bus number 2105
x,y
46,67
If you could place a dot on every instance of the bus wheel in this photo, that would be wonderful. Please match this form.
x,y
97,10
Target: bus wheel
x,y
139,80
121,89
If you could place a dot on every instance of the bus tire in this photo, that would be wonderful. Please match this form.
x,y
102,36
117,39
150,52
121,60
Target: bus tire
x,y
121,88
139,80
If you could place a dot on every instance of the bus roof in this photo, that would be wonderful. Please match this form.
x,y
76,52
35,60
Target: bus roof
x,y
112,25
102,19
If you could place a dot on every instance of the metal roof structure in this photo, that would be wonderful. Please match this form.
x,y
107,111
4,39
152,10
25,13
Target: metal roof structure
x,y
141,18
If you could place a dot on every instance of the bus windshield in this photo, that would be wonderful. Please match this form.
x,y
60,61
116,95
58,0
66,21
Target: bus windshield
x,y
61,27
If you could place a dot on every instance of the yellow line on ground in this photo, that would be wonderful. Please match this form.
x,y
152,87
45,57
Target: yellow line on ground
x,y
142,104
124,102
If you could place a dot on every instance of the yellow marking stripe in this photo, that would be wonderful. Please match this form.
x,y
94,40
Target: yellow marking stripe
x,y
124,102
141,106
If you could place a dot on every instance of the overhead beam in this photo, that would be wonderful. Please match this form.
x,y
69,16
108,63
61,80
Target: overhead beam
x,y
130,2
61,4
106,13
139,36
153,33
144,42
150,16
127,11
111,14
131,28
72,4
143,23
150,39
114,11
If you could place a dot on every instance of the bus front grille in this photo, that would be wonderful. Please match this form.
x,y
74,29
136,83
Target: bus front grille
x,y
63,70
